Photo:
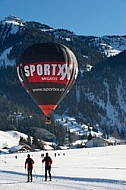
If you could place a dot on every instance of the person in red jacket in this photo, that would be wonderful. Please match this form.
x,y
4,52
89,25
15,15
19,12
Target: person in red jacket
x,y
48,162
29,165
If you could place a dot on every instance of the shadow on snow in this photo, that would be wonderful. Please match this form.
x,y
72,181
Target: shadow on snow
x,y
98,180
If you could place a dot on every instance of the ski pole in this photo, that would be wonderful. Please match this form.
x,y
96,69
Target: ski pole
x,y
42,172
35,173
54,174
26,173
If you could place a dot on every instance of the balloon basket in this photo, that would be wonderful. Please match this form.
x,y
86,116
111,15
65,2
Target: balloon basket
x,y
47,120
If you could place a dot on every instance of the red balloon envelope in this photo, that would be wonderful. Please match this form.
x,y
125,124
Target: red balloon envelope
x,y
47,71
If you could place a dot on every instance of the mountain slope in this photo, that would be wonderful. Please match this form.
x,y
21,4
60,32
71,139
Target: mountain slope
x,y
99,93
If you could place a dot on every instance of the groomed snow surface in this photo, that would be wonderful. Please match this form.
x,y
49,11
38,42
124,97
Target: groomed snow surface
x,y
81,169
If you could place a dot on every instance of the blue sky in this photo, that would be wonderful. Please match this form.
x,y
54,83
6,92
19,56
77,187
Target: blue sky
x,y
83,17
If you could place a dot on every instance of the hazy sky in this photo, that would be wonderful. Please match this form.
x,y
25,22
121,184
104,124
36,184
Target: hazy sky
x,y
86,17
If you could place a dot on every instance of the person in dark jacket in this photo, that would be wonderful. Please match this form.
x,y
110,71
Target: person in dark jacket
x,y
29,165
48,162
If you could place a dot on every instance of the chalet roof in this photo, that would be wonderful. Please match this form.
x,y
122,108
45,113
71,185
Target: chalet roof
x,y
19,148
96,142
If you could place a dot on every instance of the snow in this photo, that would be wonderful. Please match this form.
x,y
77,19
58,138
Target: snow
x,y
4,58
109,45
70,123
109,50
14,20
81,169
10,138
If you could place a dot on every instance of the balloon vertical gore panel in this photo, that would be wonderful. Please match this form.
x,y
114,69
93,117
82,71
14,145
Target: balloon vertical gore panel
x,y
47,71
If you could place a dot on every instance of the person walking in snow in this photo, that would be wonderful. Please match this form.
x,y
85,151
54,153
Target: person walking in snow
x,y
29,165
48,162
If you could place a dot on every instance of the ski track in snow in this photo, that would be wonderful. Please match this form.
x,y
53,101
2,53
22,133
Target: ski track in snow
x,y
14,180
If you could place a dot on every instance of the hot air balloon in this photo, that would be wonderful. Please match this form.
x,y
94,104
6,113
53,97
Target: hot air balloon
x,y
47,71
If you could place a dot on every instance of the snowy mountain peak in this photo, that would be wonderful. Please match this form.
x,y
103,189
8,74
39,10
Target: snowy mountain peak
x,y
14,20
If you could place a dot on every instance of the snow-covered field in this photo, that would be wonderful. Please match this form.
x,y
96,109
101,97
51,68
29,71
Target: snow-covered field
x,y
80,169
